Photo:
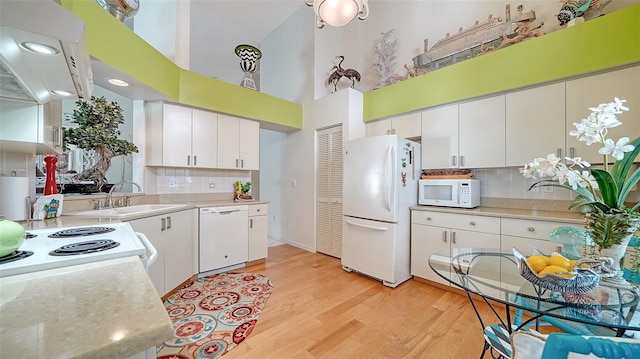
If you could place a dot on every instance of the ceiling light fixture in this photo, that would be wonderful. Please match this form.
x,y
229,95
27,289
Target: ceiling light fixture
x,y
338,12
118,82
39,48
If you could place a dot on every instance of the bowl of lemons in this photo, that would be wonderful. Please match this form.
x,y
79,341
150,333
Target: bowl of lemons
x,y
558,273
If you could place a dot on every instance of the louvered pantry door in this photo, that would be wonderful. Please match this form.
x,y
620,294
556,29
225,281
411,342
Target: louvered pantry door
x,y
329,192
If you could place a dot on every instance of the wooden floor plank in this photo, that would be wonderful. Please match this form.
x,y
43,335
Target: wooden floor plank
x,y
318,310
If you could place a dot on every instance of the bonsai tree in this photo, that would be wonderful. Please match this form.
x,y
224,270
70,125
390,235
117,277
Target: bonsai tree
x,y
98,121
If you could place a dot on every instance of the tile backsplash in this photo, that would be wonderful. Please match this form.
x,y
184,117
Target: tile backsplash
x,y
508,182
161,180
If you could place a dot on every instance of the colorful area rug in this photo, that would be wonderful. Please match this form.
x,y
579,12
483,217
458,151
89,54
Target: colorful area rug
x,y
214,314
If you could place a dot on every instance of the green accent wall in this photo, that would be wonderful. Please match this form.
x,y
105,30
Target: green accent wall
x,y
113,43
609,41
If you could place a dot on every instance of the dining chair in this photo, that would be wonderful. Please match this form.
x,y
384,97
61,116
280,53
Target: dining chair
x,y
529,345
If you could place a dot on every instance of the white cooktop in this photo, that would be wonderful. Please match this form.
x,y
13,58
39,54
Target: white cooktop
x,y
42,244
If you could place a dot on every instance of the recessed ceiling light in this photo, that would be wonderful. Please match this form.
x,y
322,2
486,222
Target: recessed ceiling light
x,y
118,82
62,93
39,48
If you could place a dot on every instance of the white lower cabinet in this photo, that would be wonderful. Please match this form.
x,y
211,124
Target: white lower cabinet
x,y
435,231
173,237
258,220
525,234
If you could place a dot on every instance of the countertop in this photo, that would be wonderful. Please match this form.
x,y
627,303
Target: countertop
x,y
106,309
568,217
67,220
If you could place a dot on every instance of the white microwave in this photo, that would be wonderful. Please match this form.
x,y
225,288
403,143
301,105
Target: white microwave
x,y
464,193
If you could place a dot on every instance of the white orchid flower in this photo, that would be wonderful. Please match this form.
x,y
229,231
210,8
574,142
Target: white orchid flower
x,y
616,150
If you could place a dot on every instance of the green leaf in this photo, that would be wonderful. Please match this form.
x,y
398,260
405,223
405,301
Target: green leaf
x,y
628,186
621,168
607,187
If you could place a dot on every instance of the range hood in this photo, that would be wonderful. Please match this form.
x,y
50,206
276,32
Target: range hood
x,y
35,77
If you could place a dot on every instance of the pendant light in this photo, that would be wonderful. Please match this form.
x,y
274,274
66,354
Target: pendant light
x,y
338,12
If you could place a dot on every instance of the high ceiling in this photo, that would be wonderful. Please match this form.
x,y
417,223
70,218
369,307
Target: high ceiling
x,y
218,26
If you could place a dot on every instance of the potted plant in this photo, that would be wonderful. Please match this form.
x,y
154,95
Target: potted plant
x,y
98,121
610,220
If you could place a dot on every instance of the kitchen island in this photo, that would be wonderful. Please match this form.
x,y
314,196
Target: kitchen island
x,y
105,309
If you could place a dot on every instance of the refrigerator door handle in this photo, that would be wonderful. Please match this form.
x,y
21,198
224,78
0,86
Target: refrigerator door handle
x,y
390,173
375,228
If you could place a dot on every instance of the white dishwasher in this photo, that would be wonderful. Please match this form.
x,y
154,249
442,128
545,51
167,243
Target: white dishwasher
x,y
223,237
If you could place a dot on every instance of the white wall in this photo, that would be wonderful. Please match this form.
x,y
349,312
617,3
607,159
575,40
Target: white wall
x,y
285,68
273,151
155,22
298,179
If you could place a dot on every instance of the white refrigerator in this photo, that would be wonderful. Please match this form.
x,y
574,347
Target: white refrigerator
x,y
380,182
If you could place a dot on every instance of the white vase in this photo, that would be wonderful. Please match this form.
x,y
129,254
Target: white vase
x,y
617,252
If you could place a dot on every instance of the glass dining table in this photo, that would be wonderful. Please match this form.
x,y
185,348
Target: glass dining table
x,y
492,276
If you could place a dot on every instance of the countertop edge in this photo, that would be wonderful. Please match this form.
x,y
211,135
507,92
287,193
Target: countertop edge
x,y
566,217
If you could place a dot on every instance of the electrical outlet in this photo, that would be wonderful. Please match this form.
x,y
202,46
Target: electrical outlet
x,y
173,182
212,183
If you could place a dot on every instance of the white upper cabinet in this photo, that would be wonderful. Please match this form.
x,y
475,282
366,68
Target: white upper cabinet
x,y
31,128
588,92
405,126
179,136
238,143
204,127
468,135
535,123
481,128
440,137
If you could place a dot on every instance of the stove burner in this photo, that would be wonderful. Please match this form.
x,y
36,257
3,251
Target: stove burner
x,y
15,256
30,235
84,247
82,231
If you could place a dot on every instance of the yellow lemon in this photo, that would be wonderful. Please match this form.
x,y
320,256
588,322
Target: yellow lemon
x,y
572,262
553,270
560,261
537,263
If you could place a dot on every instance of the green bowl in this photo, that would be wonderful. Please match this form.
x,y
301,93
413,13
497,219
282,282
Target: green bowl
x,y
12,236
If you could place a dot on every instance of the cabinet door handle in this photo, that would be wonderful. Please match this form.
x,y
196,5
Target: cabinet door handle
x,y
195,160
251,223
428,218
472,223
559,152
572,152
393,131
453,160
163,225
444,236
236,163
188,160
168,222
242,163
531,229
58,134
453,237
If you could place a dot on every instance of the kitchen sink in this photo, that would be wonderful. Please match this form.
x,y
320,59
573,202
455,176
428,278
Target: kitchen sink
x,y
126,211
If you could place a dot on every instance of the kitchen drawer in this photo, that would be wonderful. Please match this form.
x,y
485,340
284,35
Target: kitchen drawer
x,y
531,228
258,209
457,221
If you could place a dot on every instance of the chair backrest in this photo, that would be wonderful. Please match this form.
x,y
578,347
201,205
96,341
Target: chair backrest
x,y
559,346
562,346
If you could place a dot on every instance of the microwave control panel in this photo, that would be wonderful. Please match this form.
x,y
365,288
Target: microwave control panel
x,y
465,193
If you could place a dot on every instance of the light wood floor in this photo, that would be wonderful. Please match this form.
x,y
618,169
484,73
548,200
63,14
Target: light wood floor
x,y
318,310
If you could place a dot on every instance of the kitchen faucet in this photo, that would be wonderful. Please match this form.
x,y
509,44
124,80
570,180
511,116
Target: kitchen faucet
x,y
119,185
